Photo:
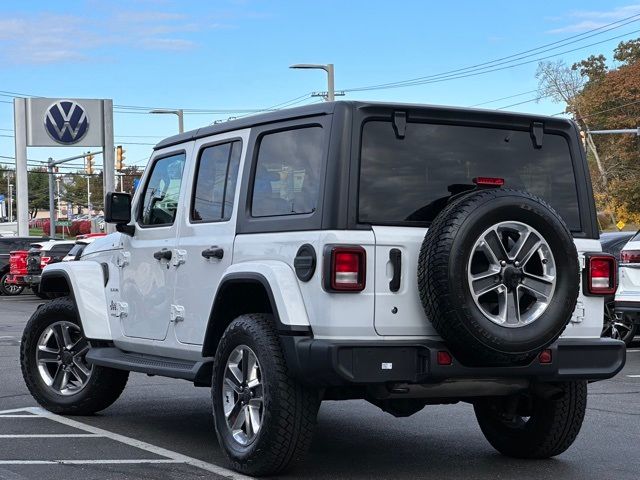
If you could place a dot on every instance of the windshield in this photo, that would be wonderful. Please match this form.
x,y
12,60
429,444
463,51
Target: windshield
x,y
409,180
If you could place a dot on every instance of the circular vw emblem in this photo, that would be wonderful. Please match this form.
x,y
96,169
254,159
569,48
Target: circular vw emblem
x,y
66,122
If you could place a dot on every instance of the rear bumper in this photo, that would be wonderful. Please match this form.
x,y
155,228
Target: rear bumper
x,y
32,279
323,363
16,279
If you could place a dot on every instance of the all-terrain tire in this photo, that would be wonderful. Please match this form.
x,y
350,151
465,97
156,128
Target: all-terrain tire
x,y
444,286
104,385
290,409
551,428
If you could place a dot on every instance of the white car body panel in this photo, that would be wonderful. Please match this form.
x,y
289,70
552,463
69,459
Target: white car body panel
x,y
629,278
87,284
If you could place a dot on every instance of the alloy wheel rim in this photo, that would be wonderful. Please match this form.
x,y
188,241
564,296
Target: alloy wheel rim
x,y
60,356
242,395
511,274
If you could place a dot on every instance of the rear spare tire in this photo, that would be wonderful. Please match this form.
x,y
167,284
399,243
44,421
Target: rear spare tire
x,y
498,276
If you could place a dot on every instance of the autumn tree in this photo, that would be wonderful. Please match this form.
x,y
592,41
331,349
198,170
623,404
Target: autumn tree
x,y
600,97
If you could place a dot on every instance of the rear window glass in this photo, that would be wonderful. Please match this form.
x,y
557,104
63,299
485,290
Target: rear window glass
x,y
287,178
410,179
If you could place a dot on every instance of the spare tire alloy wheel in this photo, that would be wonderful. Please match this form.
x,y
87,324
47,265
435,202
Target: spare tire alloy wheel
x,y
512,274
60,357
498,276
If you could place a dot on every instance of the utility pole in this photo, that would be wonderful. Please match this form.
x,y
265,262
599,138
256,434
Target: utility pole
x,y
89,196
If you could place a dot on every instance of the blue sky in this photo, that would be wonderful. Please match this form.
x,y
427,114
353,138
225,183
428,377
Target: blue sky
x,y
234,54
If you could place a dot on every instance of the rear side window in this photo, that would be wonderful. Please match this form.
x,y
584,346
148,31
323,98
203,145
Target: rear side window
x,y
287,177
216,179
410,179
160,197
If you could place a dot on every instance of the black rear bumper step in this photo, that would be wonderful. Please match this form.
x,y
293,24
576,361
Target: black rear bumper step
x,y
198,372
332,363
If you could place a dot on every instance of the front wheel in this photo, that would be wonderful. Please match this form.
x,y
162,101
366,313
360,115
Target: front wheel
x,y
264,419
530,426
9,289
52,357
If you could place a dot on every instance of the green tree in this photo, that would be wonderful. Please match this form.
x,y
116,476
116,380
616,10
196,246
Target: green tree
x,y
38,180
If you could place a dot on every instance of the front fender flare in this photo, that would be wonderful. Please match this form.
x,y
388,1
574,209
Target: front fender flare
x,y
85,281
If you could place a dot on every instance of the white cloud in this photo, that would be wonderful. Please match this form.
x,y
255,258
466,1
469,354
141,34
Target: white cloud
x,y
584,20
52,38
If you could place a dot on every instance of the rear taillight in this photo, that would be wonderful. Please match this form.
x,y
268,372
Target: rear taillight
x,y
346,269
44,261
489,181
601,274
630,256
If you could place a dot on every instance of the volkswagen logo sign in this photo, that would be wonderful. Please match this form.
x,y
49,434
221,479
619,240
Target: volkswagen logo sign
x,y
66,122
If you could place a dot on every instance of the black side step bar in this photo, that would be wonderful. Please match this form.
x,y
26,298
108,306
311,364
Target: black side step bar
x,y
197,372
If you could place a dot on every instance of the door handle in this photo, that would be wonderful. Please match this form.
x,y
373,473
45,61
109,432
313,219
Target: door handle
x,y
395,256
213,252
162,254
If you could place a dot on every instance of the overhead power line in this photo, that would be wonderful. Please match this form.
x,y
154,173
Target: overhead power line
x,y
489,65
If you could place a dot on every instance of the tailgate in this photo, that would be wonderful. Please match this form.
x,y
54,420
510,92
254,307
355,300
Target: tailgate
x,y
409,318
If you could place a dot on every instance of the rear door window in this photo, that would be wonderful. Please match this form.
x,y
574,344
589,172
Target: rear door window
x,y
216,178
409,180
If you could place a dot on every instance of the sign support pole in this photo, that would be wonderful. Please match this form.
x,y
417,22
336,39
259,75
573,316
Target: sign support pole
x,y
22,186
108,154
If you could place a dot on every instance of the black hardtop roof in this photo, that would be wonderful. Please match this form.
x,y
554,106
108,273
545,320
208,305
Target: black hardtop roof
x,y
326,108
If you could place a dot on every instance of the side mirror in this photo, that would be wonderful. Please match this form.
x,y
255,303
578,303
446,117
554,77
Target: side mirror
x,y
117,209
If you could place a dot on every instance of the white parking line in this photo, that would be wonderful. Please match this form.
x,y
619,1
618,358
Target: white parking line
x,y
633,376
633,351
51,435
11,415
170,456
83,462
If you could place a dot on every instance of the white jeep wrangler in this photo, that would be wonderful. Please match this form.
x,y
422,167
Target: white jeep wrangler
x,y
403,254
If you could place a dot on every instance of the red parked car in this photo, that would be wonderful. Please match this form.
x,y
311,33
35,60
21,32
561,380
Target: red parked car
x,y
13,283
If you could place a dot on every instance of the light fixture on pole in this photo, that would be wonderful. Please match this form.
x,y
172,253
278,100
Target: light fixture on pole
x,y
331,95
179,113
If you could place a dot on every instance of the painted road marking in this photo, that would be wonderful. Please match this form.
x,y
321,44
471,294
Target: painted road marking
x,y
170,456
84,462
633,376
51,435
633,351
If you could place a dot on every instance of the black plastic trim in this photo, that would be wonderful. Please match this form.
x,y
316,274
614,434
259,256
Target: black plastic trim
x,y
323,363
150,364
305,262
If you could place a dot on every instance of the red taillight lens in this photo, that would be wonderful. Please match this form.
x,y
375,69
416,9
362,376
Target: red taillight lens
x,y
630,256
444,358
490,181
347,270
601,274
44,261
545,356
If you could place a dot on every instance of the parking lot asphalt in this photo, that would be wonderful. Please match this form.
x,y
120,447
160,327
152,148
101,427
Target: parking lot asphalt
x,y
162,428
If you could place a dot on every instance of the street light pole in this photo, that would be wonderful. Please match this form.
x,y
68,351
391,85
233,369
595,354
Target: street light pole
x,y
179,112
10,201
331,92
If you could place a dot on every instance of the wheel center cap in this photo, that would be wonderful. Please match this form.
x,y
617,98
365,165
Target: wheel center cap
x,y
67,358
512,277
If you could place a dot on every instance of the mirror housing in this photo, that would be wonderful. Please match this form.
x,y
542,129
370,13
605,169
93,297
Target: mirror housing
x,y
117,209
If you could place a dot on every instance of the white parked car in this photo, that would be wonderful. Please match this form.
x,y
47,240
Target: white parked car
x,y
627,299
338,251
